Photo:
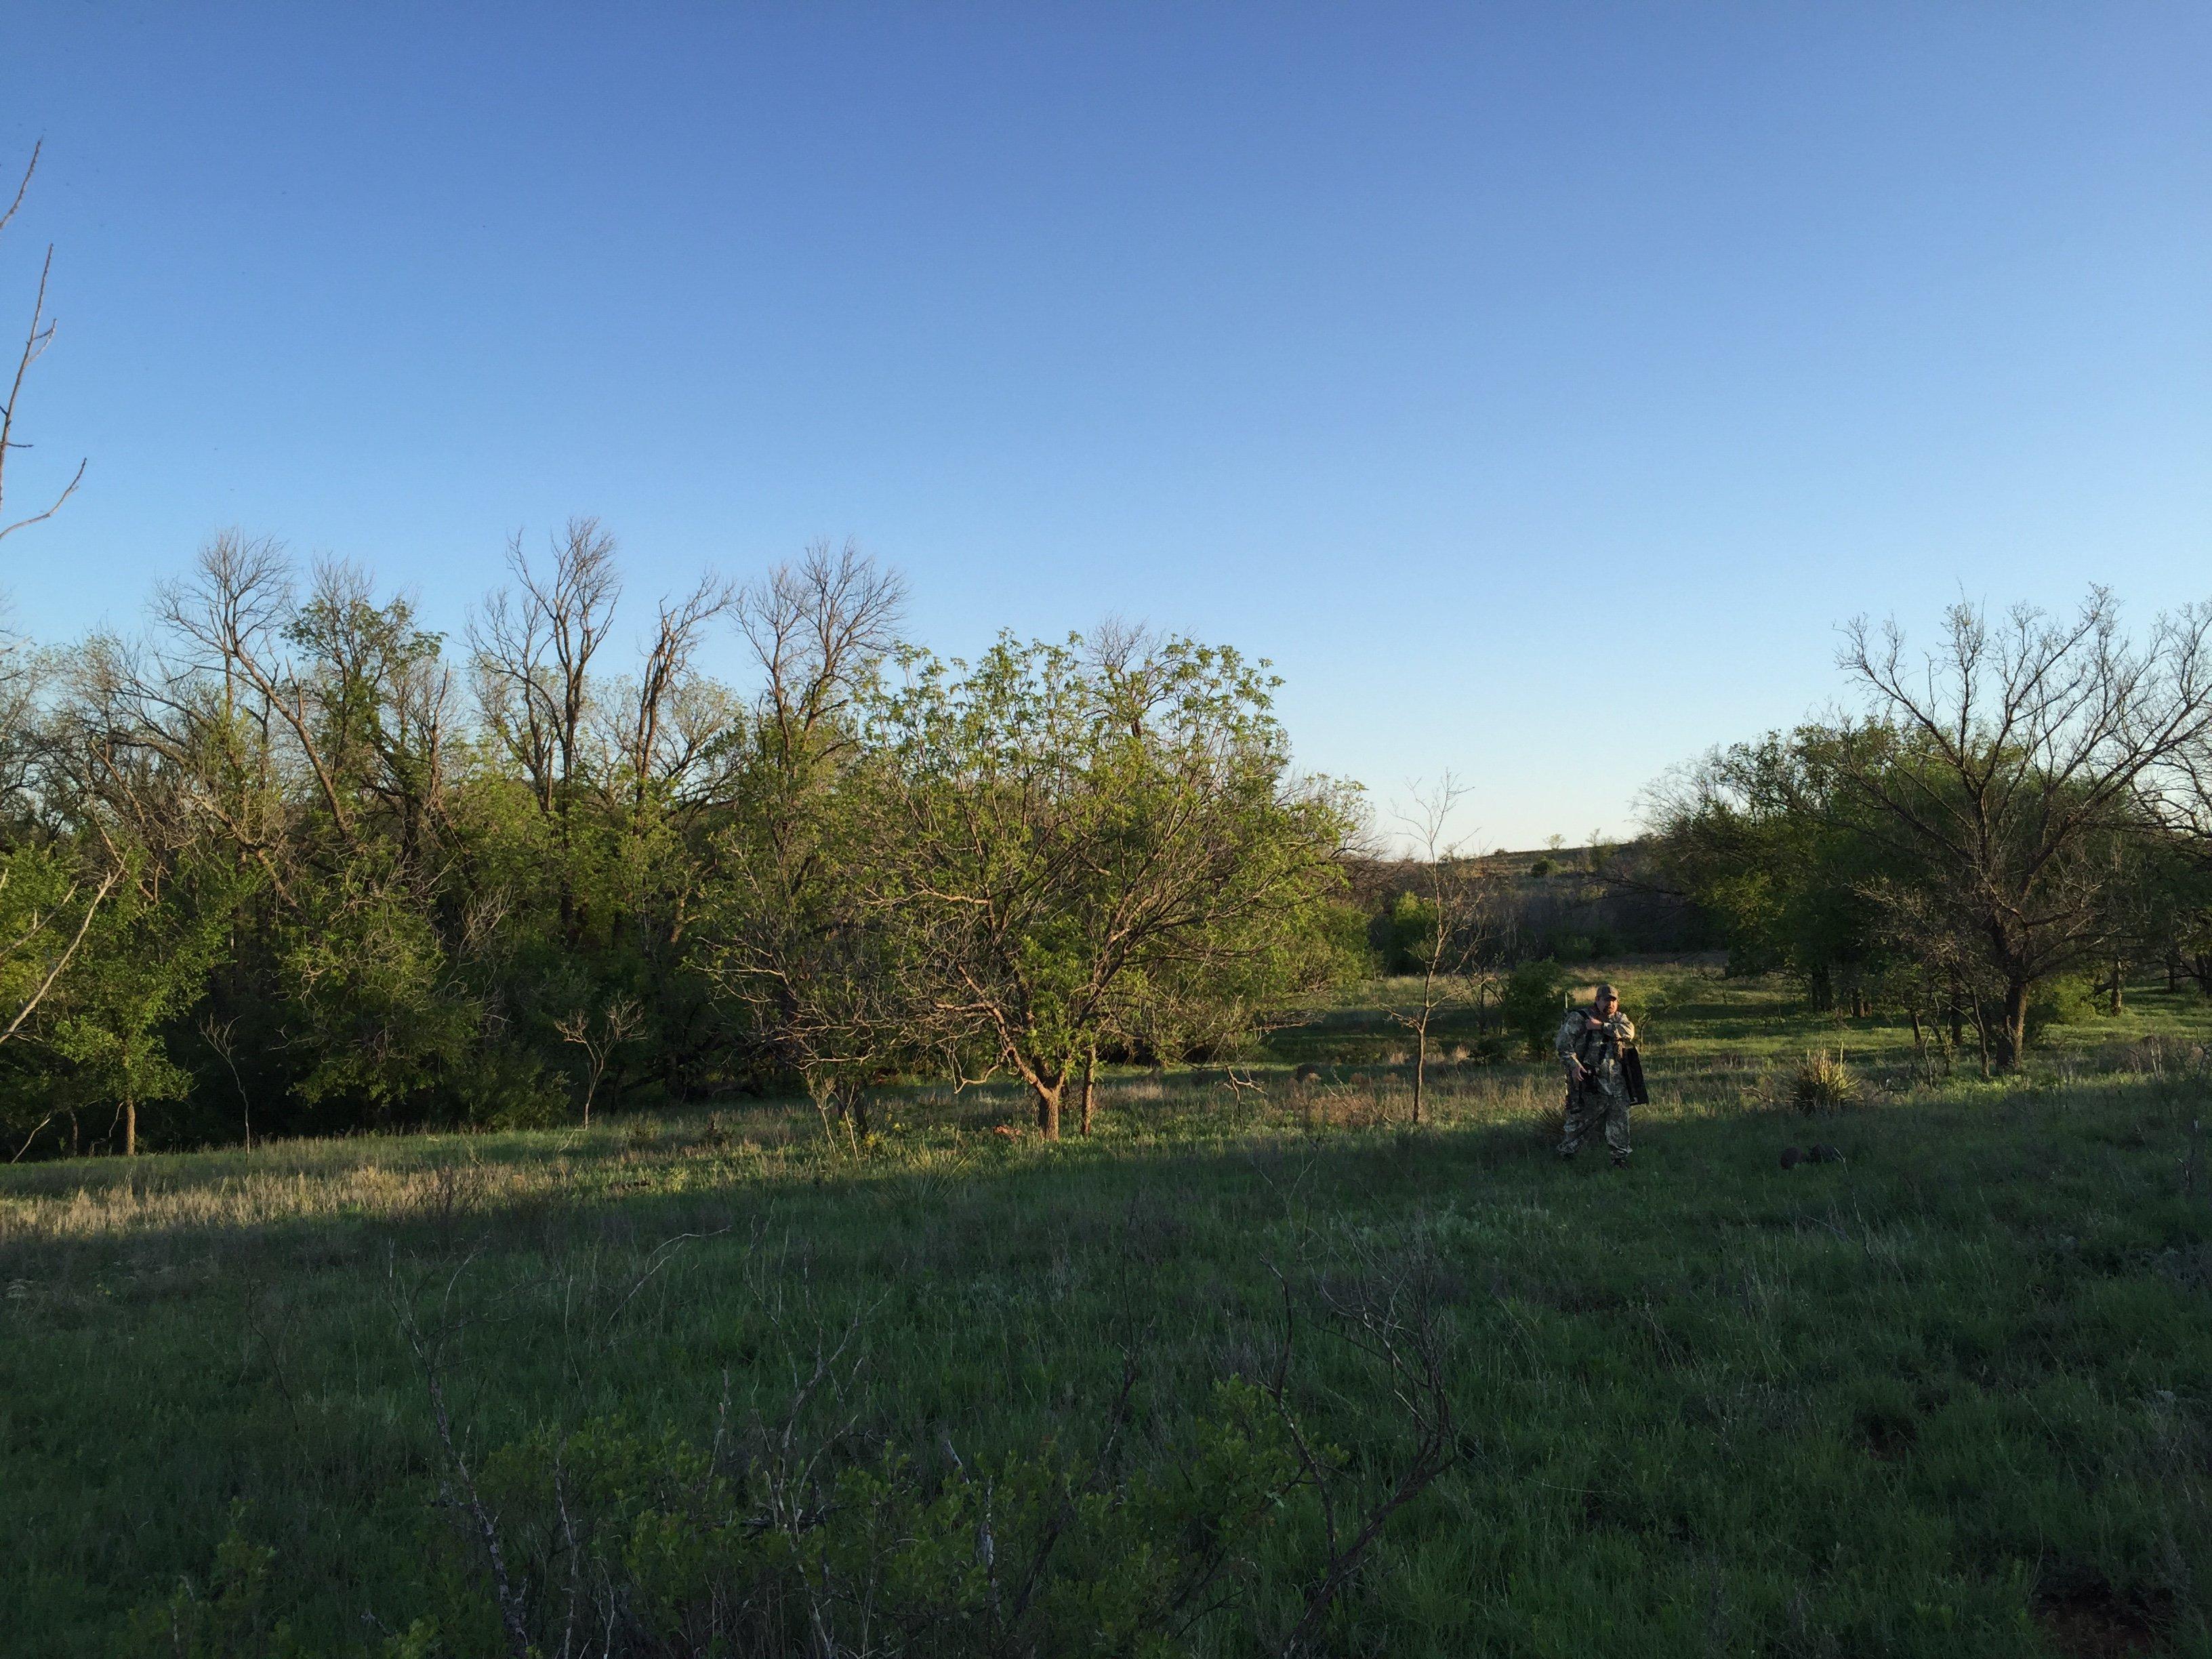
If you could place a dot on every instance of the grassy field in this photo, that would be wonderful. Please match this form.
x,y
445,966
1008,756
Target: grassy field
x,y
1950,1396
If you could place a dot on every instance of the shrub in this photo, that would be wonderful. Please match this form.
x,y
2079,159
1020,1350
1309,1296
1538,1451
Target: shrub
x,y
670,1547
1412,928
1531,1003
226,1616
2067,1000
502,1085
1823,1082
1542,868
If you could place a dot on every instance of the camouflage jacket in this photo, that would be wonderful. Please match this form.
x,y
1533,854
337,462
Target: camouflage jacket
x,y
1596,1043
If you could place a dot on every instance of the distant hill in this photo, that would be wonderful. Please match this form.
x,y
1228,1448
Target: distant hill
x,y
1575,903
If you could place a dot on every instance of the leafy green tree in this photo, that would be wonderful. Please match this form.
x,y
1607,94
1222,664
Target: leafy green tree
x,y
1766,838
144,962
1080,842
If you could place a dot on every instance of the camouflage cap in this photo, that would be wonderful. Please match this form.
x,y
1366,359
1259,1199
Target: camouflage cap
x,y
1606,994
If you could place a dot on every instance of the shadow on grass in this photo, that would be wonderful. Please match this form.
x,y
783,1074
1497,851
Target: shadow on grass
x,y
331,1202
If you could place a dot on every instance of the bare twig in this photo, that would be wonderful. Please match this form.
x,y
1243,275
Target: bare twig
x,y
36,339
1397,1328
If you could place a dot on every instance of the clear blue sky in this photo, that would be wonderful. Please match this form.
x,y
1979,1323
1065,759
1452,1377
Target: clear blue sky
x,y
1471,363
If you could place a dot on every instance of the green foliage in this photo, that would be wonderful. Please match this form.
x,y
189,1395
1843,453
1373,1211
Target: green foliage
x,y
2013,1377
45,903
382,1013
143,960
229,1617
1824,1082
2063,999
676,1547
353,900
1530,1003
1768,837
1413,933
1076,845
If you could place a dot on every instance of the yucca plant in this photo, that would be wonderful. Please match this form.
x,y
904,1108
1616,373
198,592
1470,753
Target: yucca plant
x,y
1823,1082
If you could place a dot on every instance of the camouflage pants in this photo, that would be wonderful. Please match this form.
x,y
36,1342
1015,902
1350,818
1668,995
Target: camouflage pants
x,y
1591,1106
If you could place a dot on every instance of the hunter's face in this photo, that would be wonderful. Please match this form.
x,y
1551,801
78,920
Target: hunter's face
x,y
1606,1005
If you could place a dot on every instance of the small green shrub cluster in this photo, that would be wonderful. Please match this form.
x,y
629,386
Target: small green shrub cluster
x,y
652,1544
1823,1082
2068,1000
1530,1001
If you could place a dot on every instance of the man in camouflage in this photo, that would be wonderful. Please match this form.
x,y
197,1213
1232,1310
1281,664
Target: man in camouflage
x,y
1589,1044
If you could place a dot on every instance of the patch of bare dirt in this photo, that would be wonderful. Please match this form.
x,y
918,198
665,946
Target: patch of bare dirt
x,y
2089,1621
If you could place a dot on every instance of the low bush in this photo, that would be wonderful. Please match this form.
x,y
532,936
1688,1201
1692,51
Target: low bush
x,y
2067,1000
1824,1083
647,1543
1531,1003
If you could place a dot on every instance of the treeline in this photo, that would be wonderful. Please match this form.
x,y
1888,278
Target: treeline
x,y
295,861
2011,824
1595,904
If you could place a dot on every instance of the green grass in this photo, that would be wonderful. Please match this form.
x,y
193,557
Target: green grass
x,y
1952,1396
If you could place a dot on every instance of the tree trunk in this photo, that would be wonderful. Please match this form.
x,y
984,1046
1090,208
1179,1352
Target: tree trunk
x,y
1420,1065
2012,1036
1819,991
130,1127
1089,1075
1982,1031
1048,1108
2119,971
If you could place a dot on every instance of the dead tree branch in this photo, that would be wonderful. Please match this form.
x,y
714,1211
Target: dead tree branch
x,y
36,338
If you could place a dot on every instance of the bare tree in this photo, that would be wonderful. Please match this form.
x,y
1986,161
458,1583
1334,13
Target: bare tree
x,y
663,752
817,630
795,946
1449,919
36,338
231,622
618,1022
532,647
2000,765
220,1037
303,728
